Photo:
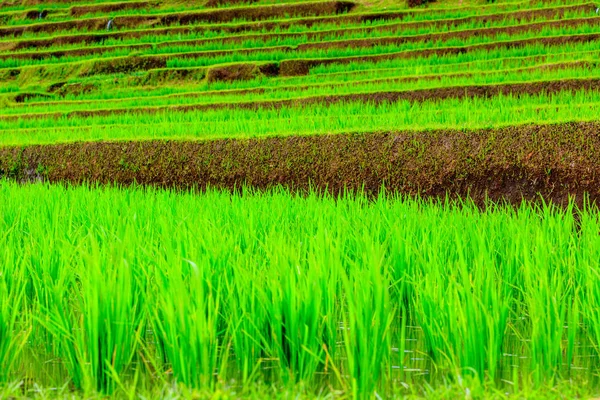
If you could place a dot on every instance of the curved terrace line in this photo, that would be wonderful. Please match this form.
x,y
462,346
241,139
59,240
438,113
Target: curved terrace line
x,y
419,95
166,75
99,38
215,15
260,90
383,40
295,66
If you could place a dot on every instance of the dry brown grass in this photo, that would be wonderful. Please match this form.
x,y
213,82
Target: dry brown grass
x,y
401,4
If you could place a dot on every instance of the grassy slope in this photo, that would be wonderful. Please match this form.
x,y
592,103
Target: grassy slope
x,y
25,120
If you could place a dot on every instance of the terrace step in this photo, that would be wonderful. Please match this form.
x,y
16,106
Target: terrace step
x,y
78,11
381,41
166,76
375,98
250,27
298,67
73,11
287,68
508,163
185,18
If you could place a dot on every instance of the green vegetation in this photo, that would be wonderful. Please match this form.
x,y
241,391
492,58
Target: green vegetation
x,y
309,120
298,92
278,49
129,289
333,292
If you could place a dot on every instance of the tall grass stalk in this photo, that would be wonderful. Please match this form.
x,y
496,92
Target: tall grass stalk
x,y
113,290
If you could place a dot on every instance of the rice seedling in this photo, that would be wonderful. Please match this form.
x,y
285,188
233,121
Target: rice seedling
x,y
317,293
441,14
545,73
473,113
478,63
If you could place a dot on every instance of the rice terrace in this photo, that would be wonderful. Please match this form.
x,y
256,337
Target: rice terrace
x,y
298,199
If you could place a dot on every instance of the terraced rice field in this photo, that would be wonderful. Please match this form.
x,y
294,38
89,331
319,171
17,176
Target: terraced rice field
x,y
277,199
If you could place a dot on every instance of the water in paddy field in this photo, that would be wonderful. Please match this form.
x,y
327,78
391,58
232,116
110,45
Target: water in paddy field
x,y
370,313
410,365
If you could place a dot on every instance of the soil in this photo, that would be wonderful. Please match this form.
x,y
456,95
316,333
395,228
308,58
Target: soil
x,y
465,34
532,162
291,67
181,75
78,11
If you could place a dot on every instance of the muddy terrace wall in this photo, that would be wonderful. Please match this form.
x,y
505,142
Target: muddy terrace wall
x,y
552,161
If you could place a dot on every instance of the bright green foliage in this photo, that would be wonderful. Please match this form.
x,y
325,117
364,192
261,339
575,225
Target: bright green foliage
x,y
141,287
125,292
345,117
14,327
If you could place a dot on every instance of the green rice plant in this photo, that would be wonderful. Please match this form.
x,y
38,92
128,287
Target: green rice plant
x,y
476,58
544,73
206,40
477,63
295,323
441,14
464,312
186,322
314,119
150,291
368,323
589,231
185,56
14,331
549,293
248,320
100,346
324,31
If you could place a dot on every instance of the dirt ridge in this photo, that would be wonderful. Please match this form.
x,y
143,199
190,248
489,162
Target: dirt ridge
x,y
200,73
78,11
296,67
530,162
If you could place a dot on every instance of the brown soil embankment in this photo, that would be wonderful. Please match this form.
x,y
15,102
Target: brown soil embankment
x,y
80,52
512,163
187,18
441,93
44,2
144,63
218,3
78,11
444,36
